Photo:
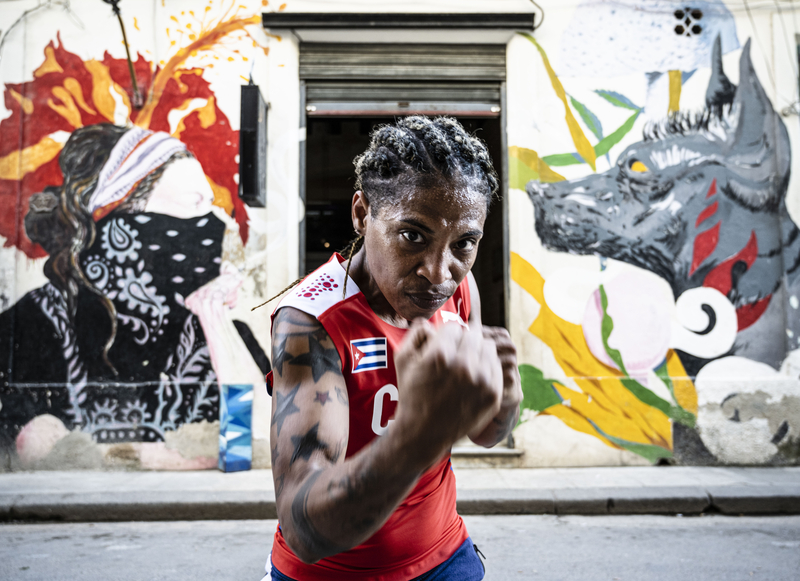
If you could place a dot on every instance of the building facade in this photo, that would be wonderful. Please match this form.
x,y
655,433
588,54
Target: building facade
x,y
643,253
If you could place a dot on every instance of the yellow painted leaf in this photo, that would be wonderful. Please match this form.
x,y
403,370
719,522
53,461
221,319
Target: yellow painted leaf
x,y
610,423
605,402
519,173
582,145
683,386
576,422
523,273
675,86
526,165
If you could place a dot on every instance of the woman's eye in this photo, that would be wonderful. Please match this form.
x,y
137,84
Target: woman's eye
x,y
415,237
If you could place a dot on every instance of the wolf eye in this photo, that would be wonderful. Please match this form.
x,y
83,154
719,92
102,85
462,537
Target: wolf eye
x,y
638,166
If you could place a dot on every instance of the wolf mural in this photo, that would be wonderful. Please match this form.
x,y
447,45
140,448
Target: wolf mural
x,y
700,202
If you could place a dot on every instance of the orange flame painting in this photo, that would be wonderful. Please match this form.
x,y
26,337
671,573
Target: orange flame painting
x,y
67,92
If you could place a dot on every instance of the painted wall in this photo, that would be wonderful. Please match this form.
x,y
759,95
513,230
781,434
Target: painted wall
x,y
652,293
656,303
129,263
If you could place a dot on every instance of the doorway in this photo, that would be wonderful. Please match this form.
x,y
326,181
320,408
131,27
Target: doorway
x,y
331,145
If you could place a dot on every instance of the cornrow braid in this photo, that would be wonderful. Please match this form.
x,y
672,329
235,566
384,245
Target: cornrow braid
x,y
355,246
416,147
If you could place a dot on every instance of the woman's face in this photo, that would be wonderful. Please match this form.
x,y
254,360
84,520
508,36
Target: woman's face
x,y
182,191
420,247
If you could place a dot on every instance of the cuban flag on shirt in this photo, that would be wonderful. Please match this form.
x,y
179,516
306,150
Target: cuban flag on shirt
x,y
368,354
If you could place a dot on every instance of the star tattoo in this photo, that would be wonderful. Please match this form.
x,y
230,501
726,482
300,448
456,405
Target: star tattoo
x,y
307,444
320,359
284,407
322,397
281,355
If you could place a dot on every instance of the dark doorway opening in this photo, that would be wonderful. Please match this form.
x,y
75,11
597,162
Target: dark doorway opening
x,y
331,145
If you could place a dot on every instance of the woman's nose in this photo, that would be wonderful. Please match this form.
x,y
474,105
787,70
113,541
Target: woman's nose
x,y
435,268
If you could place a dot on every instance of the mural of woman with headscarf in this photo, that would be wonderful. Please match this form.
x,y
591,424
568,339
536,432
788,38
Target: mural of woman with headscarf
x,y
131,336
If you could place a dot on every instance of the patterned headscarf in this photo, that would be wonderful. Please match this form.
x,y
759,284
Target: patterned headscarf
x,y
137,154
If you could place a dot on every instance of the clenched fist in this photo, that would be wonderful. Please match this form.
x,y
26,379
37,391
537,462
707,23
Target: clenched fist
x,y
450,383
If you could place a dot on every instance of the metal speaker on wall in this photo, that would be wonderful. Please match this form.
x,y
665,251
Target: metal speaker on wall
x,y
253,148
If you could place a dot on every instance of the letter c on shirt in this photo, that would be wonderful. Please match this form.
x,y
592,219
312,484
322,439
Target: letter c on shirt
x,y
377,409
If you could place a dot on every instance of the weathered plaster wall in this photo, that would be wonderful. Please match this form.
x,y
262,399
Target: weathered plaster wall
x,y
704,316
655,304
177,264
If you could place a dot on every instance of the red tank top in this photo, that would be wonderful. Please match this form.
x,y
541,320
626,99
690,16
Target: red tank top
x,y
425,530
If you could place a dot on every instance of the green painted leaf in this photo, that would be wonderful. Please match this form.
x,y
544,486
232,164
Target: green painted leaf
x,y
602,148
562,159
679,413
537,391
589,118
647,451
618,100
607,326
662,373
611,140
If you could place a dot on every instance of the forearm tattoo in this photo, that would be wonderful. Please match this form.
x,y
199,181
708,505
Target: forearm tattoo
x,y
311,538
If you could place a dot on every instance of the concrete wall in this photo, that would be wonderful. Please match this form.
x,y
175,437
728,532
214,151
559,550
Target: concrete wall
x,y
652,293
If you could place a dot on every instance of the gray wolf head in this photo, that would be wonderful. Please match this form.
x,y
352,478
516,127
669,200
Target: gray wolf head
x,y
699,201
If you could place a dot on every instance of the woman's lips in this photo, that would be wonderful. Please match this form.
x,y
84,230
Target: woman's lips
x,y
428,301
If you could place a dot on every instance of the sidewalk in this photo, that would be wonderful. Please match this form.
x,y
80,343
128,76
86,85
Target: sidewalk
x,y
162,496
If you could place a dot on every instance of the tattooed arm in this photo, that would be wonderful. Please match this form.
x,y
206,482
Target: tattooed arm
x,y
501,425
326,505
448,380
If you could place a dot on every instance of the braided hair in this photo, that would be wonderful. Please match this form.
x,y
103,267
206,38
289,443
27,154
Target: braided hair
x,y
418,149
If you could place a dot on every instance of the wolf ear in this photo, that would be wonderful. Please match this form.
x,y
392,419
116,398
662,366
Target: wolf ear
x,y
756,117
720,90
757,147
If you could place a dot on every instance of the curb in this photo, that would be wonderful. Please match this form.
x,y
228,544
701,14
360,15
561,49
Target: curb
x,y
685,500
249,505
139,506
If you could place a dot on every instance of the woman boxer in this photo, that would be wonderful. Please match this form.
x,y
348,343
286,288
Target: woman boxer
x,y
371,387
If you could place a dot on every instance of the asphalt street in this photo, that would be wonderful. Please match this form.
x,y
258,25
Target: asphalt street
x,y
574,548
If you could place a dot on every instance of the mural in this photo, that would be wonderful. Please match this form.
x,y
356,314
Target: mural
x,y
692,352
138,213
